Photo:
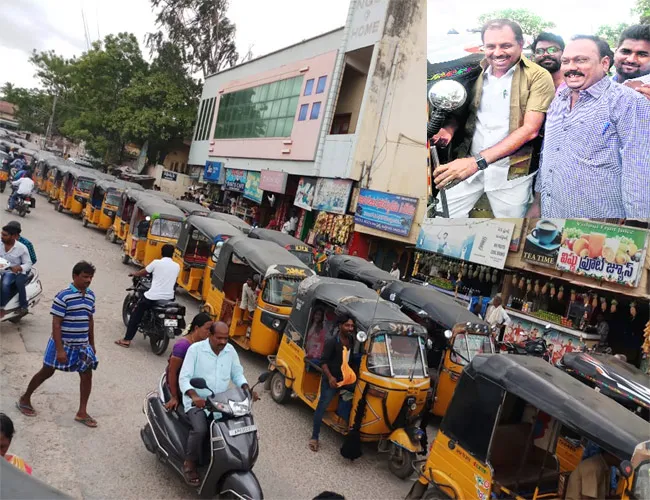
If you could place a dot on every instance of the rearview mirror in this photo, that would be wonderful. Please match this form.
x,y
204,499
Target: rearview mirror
x,y
263,377
448,334
198,383
447,95
362,336
429,344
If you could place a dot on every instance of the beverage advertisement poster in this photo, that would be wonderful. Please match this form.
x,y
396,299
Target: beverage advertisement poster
x,y
542,242
235,180
482,241
305,192
252,189
385,211
603,251
332,195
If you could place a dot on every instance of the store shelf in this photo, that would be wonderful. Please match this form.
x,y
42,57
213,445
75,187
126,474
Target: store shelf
x,y
554,326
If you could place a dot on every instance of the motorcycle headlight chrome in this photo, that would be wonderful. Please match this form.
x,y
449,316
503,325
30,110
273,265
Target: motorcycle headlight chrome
x,y
239,408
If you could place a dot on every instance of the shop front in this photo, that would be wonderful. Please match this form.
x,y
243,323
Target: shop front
x,y
214,175
276,204
234,200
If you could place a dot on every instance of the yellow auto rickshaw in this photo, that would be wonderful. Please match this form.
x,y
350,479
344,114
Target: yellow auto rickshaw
x,y
388,358
58,168
197,251
102,205
300,249
241,258
120,227
190,208
456,335
76,188
41,167
350,267
154,223
233,220
499,436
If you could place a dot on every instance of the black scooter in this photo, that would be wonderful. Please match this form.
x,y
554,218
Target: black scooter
x,y
229,454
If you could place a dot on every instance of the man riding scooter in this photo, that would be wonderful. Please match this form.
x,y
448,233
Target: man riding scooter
x,y
18,257
23,187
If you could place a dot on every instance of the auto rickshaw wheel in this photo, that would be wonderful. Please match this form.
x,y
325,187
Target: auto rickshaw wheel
x,y
125,259
279,390
110,235
401,461
84,222
59,207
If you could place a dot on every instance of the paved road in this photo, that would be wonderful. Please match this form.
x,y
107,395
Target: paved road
x,y
111,461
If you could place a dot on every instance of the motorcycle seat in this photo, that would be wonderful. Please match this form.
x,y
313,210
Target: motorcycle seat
x,y
164,304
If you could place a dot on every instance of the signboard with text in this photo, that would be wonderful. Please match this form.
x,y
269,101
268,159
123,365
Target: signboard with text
x,y
252,189
543,240
168,175
603,251
367,24
387,212
332,195
235,180
305,193
481,241
275,182
212,171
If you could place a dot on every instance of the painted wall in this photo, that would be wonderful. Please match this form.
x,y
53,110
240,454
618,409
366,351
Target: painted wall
x,y
180,156
304,135
390,154
306,49
176,189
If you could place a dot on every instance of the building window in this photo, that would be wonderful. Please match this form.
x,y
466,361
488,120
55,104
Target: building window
x,y
320,87
267,110
302,116
199,120
206,112
315,111
309,87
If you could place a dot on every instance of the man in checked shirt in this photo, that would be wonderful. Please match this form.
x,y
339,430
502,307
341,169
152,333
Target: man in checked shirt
x,y
596,155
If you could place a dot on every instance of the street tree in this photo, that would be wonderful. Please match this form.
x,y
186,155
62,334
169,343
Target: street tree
x,y
531,23
611,33
201,30
32,106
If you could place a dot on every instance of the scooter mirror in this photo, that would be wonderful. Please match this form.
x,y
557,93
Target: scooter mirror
x,y
447,95
263,377
198,383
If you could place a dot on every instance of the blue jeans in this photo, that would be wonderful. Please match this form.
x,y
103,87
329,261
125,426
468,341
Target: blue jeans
x,y
19,280
12,200
327,394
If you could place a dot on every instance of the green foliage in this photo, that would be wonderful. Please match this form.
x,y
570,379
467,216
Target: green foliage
x,y
611,33
201,30
531,24
111,96
642,9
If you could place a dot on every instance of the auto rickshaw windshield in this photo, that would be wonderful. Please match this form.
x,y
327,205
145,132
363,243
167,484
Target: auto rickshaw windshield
x,y
113,198
166,228
280,290
85,185
306,258
397,355
468,345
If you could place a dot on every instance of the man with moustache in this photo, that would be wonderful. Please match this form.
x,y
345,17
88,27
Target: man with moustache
x,y
506,112
632,59
547,52
596,155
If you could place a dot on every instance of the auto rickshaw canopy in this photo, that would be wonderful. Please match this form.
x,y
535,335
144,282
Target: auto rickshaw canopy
x,y
212,229
614,377
233,220
189,207
265,257
438,307
358,269
278,237
155,208
551,390
351,297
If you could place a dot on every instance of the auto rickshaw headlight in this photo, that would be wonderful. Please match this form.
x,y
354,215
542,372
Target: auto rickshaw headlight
x,y
448,334
276,324
362,336
411,402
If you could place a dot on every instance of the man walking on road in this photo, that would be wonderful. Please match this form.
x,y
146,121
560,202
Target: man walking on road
x,y
18,257
596,149
165,272
72,345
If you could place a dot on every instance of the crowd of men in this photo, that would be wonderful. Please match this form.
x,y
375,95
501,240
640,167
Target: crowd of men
x,y
555,136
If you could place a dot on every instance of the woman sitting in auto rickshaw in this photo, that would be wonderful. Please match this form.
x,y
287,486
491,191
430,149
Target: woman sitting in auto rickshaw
x,y
317,335
337,374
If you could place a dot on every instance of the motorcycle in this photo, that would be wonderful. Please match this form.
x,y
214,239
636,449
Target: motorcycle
x,y
23,204
225,467
33,289
161,323
531,347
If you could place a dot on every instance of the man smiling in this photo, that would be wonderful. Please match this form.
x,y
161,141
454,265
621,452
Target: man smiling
x,y
596,156
547,52
632,59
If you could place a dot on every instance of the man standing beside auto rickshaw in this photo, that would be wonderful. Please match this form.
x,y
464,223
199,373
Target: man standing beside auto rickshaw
x,y
336,371
592,477
321,260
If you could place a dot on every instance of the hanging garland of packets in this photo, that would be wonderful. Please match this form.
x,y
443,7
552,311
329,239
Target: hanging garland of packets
x,y
646,340
337,228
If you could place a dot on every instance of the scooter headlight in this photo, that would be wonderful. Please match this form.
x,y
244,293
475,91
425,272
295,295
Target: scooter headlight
x,y
239,408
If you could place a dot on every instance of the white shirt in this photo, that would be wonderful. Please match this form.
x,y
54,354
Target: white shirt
x,y
395,273
293,223
25,185
497,316
492,126
286,227
248,298
165,272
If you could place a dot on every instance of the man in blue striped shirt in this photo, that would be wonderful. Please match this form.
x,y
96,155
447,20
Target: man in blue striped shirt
x,y
72,345
596,156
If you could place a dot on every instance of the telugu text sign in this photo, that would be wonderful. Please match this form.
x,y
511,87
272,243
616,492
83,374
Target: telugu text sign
x,y
387,212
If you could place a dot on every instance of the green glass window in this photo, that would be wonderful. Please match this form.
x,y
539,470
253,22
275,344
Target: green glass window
x,y
267,110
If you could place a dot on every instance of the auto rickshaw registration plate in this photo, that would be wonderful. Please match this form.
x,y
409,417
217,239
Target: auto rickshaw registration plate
x,y
242,430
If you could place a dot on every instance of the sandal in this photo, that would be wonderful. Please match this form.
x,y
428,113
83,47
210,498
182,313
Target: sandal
x,y
26,410
191,477
87,421
123,343
313,445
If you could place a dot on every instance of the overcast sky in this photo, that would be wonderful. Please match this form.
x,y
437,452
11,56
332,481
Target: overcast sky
x,y
570,16
57,25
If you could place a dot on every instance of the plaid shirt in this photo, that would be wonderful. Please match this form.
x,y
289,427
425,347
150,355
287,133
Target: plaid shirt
x,y
30,248
596,156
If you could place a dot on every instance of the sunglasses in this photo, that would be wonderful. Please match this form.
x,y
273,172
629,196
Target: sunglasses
x,y
548,50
